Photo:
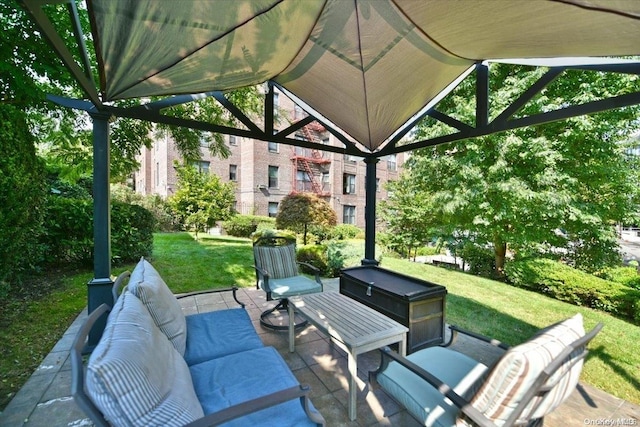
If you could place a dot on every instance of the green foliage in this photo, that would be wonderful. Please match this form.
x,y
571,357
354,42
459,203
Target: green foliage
x,y
22,197
514,190
131,232
69,234
627,276
245,225
574,286
481,260
344,232
268,236
154,203
201,199
409,217
315,255
299,212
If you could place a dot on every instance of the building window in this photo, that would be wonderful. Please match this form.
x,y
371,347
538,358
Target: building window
x,y
349,214
391,162
348,184
303,181
233,140
273,147
233,172
297,112
201,166
377,185
273,209
350,159
273,176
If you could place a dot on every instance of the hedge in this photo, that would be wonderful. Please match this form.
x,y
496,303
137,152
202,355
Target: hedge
x,y
574,286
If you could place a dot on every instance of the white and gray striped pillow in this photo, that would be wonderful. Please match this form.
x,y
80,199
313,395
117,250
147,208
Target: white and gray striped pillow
x,y
145,283
135,376
516,371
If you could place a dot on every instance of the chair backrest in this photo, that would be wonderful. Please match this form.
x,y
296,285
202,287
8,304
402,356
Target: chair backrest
x,y
534,378
276,255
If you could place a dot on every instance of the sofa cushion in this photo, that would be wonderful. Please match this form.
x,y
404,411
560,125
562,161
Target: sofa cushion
x,y
219,333
145,283
135,376
239,377
519,367
424,402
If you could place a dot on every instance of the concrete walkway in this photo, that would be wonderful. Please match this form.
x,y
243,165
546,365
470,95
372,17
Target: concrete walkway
x,y
45,399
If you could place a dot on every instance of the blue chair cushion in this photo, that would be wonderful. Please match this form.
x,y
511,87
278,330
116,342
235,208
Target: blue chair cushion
x,y
219,333
292,286
239,377
423,401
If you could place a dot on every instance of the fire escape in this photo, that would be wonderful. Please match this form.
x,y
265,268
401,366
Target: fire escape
x,y
311,162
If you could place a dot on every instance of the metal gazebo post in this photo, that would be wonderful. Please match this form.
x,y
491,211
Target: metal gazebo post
x,y
99,288
370,212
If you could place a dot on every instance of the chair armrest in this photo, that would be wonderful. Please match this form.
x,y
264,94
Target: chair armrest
x,y
313,268
443,388
233,289
456,330
254,405
118,284
264,276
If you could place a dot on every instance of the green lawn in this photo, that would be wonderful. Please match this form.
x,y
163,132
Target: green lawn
x,y
29,328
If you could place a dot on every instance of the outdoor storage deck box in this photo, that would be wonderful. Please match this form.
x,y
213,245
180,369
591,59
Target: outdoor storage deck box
x,y
415,303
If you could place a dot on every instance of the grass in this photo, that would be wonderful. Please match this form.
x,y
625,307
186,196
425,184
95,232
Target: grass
x,y
30,326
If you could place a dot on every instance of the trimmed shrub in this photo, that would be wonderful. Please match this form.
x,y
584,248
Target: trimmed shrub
x,y
69,235
315,255
131,232
574,286
344,232
481,261
245,225
627,276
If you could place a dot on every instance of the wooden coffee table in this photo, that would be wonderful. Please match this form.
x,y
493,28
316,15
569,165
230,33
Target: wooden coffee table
x,y
352,326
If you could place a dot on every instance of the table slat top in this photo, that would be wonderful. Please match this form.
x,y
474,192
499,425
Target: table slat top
x,y
345,319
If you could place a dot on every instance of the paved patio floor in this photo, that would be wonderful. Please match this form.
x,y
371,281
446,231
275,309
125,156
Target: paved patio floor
x,y
45,399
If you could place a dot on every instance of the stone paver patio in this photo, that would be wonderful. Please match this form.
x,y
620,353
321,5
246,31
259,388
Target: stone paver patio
x,y
45,400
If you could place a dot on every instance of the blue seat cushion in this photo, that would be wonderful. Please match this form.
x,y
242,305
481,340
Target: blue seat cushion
x,y
292,286
239,377
423,401
219,333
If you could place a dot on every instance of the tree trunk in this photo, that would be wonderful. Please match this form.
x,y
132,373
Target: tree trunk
x,y
304,236
501,254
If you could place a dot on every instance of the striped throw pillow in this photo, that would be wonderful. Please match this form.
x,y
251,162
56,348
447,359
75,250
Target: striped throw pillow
x,y
516,371
135,376
145,283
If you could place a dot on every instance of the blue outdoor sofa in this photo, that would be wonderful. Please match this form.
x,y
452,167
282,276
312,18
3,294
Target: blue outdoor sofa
x,y
154,366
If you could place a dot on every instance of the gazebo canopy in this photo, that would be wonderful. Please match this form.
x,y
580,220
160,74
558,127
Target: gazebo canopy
x,y
365,66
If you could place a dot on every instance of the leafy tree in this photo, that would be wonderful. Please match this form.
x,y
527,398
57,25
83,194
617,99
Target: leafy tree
x,y
22,196
408,216
201,199
299,212
559,185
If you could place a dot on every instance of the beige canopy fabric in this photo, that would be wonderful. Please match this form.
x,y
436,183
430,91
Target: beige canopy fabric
x,y
367,66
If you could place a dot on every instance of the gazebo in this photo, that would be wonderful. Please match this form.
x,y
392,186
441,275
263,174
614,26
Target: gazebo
x,y
367,70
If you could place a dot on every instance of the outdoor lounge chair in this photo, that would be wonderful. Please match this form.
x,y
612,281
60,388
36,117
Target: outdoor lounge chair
x,y
442,387
278,275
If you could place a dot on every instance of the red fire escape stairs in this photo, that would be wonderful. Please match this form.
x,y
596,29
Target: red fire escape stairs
x,y
305,163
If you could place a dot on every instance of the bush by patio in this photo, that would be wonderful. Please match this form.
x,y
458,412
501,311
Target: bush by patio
x,y
574,286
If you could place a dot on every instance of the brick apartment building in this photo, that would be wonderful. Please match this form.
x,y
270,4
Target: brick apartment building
x,y
265,172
